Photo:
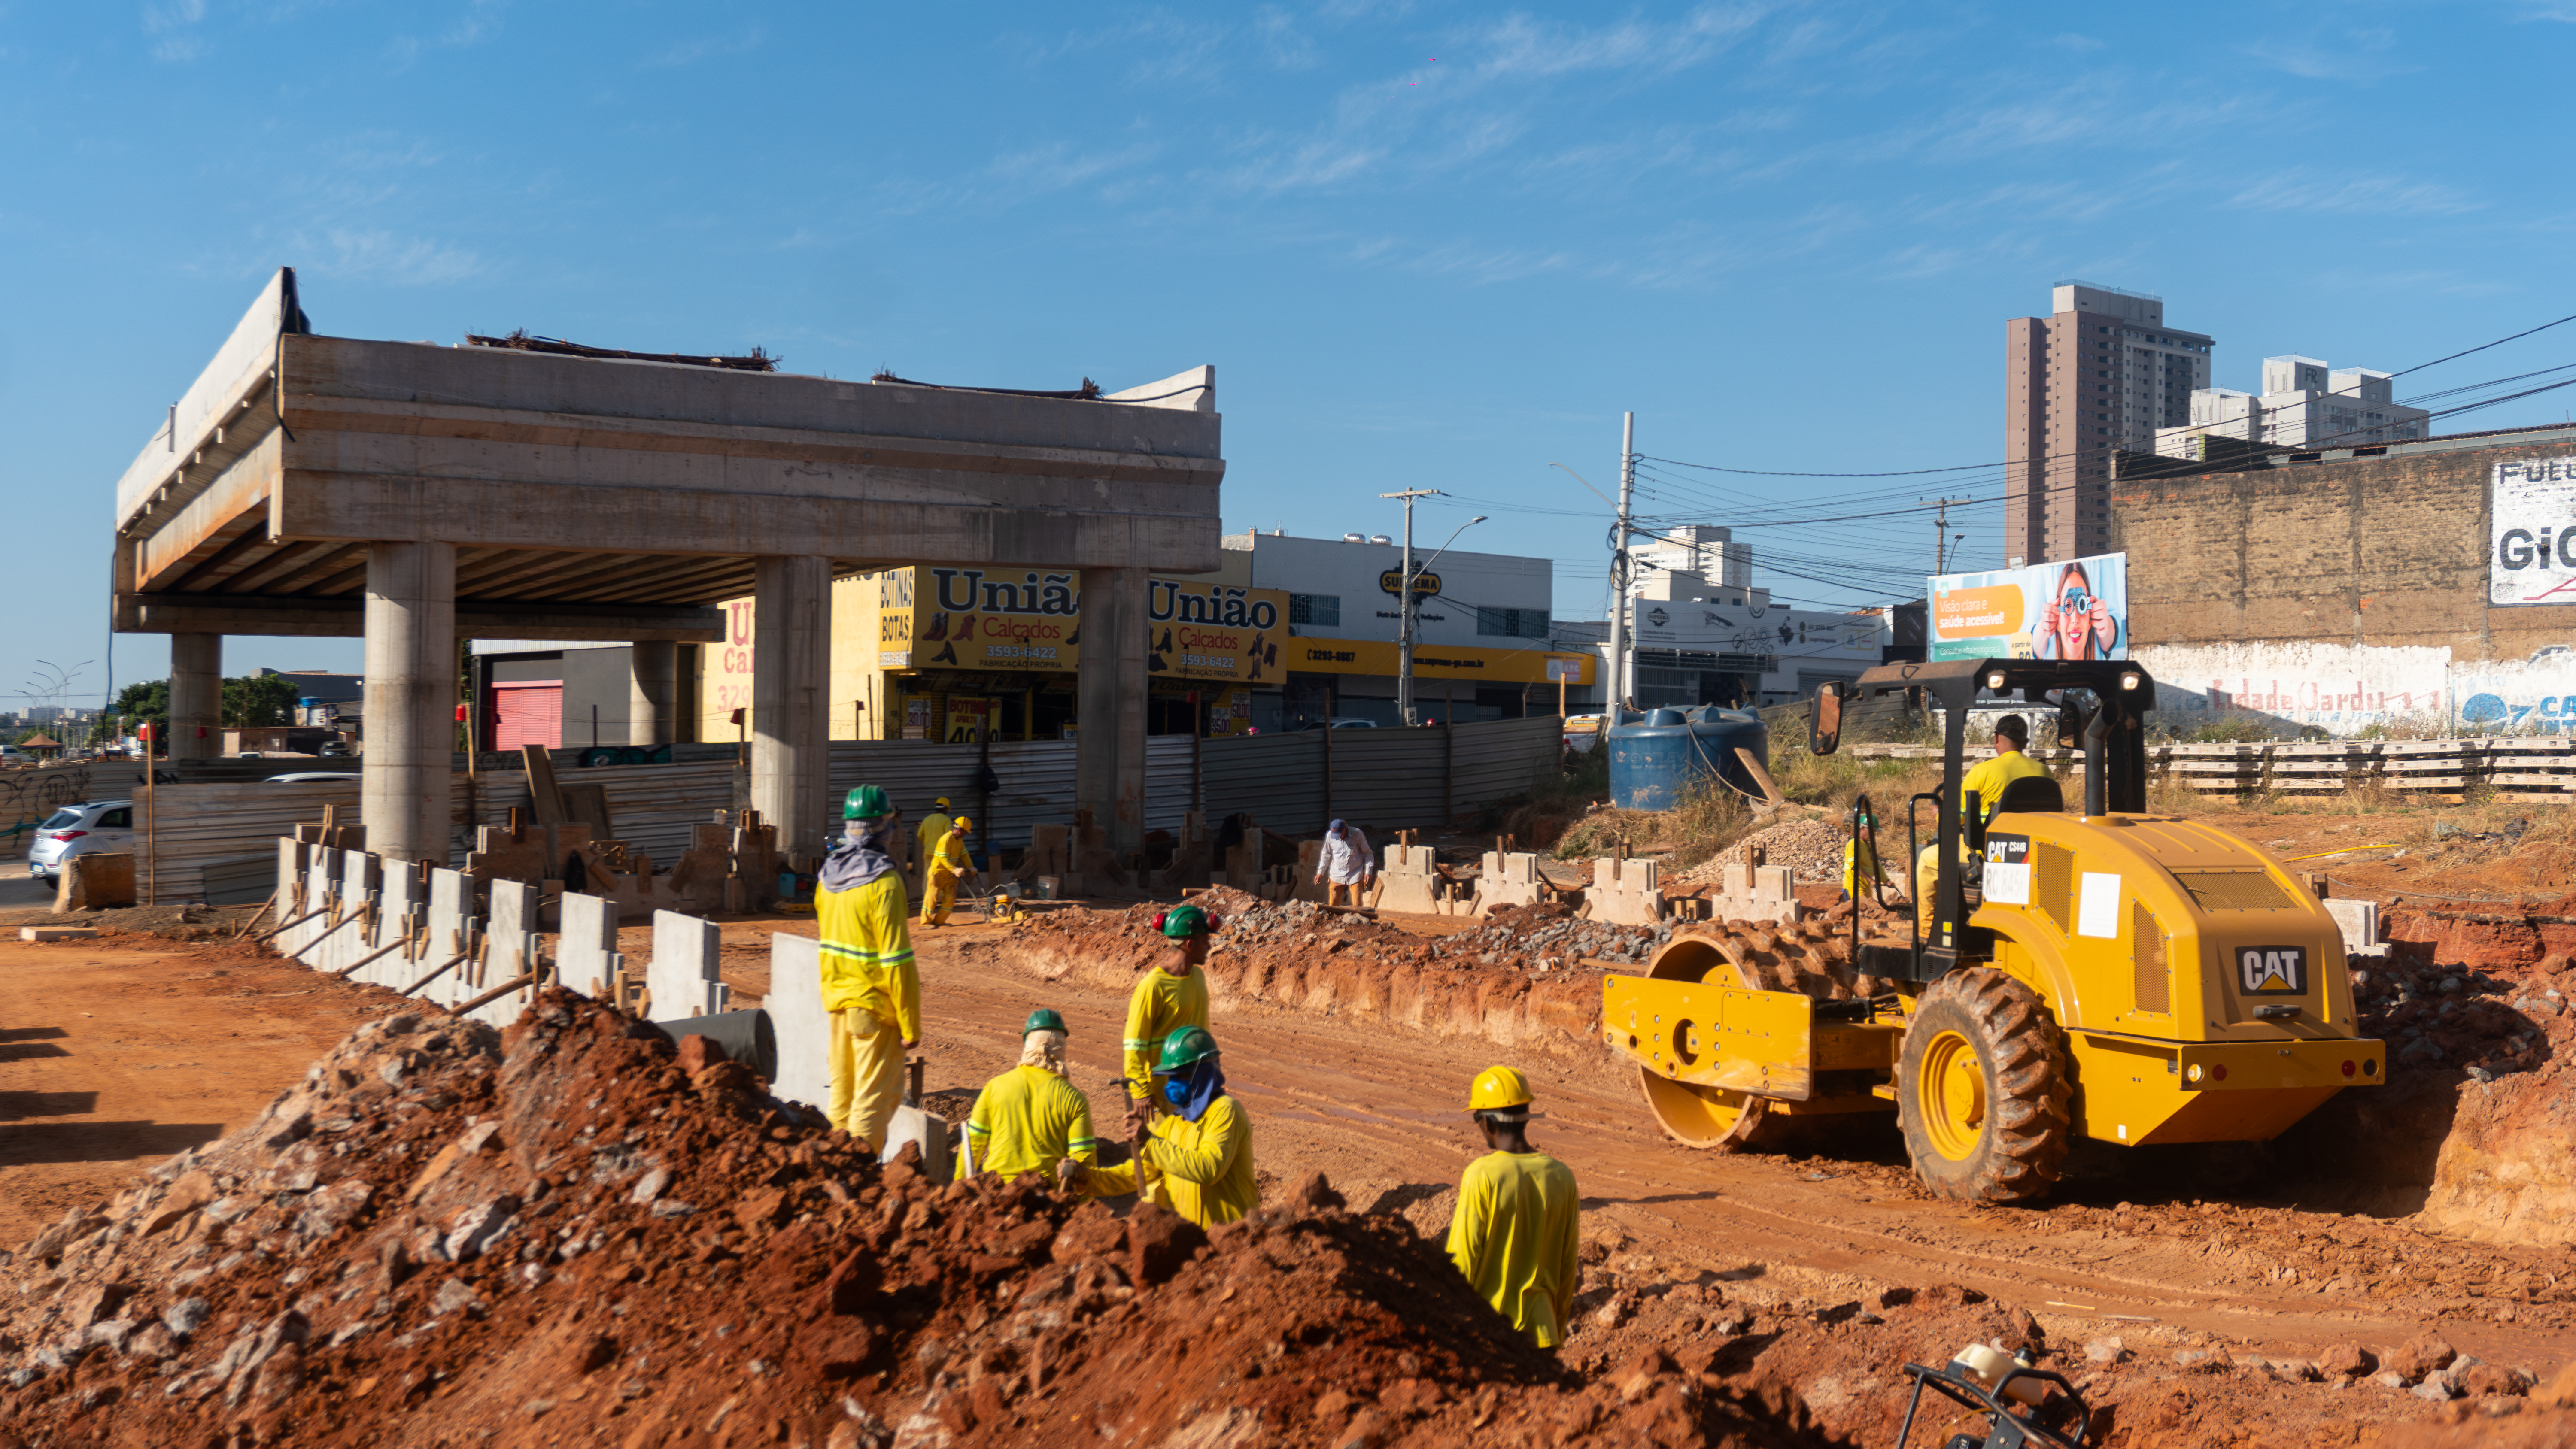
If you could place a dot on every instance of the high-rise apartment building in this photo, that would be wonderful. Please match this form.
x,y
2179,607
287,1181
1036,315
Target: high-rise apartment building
x,y
2304,404
2101,373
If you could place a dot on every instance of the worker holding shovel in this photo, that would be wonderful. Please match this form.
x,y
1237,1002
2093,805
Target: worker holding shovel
x,y
1197,1161
869,985
949,860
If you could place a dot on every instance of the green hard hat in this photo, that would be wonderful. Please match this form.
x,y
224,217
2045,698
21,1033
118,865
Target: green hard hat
x,y
1043,1019
867,802
1182,922
1186,1047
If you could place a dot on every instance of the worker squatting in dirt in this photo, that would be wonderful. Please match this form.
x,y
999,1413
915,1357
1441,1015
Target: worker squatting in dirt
x,y
1515,1230
1030,1118
1196,1158
870,986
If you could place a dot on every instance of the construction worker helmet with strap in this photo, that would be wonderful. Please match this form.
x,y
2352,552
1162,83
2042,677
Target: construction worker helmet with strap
x,y
941,802
962,825
1499,1089
1045,1018
867,802
1182,922
1187,1047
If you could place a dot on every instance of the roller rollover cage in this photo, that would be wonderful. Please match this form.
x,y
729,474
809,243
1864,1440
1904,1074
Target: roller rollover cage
x,y
2102,972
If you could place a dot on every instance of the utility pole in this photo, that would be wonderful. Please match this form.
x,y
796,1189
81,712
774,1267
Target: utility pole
x,y
1941,529
1404,610
1616,692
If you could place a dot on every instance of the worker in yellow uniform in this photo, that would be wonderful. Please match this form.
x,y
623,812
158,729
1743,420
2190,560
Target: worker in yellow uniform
x,y
1029,1118
1516,1228
1986,780
869,985
1198,1159
926,837
949,859
1169,997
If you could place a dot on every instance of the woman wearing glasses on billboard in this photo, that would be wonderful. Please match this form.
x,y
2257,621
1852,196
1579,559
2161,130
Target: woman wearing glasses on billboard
x,y
2076,622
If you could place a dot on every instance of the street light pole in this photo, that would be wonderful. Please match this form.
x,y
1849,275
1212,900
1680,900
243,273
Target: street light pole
x,y
1404,609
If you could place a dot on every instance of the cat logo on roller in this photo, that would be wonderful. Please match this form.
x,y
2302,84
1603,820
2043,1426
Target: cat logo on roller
x,y
2272,970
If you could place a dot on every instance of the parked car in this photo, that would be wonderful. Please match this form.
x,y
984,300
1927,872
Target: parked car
x,y
334,749
78,830
314,777
12,755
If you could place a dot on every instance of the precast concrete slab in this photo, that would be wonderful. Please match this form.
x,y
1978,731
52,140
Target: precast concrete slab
x,y
797,1018
682,975
586,955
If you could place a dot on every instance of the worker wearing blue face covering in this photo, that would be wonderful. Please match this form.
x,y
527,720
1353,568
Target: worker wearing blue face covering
x,y
1198,1159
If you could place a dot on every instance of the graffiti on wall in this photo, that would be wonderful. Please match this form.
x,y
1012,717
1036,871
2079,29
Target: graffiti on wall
x,y
2527,696
2340,688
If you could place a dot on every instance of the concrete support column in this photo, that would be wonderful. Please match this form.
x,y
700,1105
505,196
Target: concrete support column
x,y
410,700
196,696
1109,744
653,693
791,675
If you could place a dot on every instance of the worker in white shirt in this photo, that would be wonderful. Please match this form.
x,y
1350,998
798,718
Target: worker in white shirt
x,y
1346,866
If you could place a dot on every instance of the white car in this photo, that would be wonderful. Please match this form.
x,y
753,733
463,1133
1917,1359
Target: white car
x,y
78,830
315,777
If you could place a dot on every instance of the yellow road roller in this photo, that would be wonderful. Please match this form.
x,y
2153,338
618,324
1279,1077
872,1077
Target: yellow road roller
x,y
2115,974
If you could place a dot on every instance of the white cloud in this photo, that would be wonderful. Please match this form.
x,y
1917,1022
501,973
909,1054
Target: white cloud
x,y
1519,46
2301,189
690,52
376,255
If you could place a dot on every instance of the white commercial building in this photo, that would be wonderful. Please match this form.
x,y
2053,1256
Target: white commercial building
x,y
2304,404
1700,632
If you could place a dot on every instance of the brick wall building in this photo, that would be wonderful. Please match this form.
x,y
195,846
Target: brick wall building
x,y
2360,586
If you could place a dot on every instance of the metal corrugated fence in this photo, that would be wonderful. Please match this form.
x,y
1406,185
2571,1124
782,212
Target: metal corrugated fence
x,y
1386,778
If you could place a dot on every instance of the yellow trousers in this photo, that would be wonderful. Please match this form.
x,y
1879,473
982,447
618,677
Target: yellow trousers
x,y
943,898
1927,877
867,1075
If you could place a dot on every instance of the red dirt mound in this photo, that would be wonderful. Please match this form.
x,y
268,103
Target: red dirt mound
x,y
444,1235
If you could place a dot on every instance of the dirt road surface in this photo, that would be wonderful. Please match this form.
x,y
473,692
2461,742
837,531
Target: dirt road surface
x,y
2288,1266
118,1052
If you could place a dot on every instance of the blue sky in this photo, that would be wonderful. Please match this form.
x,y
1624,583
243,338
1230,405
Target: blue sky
x,y
1425,245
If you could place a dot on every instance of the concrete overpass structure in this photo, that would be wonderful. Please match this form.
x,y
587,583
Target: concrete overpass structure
x,y
411,494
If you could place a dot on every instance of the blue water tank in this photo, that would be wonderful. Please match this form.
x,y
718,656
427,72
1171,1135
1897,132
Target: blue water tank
x,y
1657,756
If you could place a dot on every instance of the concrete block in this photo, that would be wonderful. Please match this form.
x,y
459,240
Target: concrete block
x,y
1510,878
100,880
513,934
290,881
401,897
796,1016
1624,893
2359,921
682,975
56,933
1759,893
451,929
322,893
586,955
1408,879
361,885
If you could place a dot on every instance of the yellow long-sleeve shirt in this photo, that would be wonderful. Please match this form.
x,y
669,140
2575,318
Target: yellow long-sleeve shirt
x,y
1160,1005
949,855
1514,1235
1026,1120
1201,1170
927,835
867,953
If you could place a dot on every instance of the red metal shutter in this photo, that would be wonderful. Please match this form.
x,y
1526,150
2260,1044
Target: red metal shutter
x,y
527,712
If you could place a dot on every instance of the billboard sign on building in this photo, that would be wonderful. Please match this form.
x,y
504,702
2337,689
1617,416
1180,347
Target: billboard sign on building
x,y
1031,621
2531,559
2076,609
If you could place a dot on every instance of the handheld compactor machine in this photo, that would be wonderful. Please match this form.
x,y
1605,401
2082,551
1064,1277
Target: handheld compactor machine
x,y
2114,974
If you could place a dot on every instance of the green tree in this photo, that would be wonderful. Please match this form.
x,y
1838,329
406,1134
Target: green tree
x,y
145,703
259,699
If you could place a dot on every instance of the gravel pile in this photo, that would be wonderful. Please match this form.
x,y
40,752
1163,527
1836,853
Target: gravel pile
x,y
1812,848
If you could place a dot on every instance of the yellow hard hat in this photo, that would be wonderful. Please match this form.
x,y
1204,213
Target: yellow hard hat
x,y
1498,1089
941,802
962,825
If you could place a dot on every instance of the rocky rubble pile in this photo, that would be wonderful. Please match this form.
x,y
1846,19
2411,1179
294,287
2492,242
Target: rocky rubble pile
x,y
1545,936
2488,1022
576,1231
